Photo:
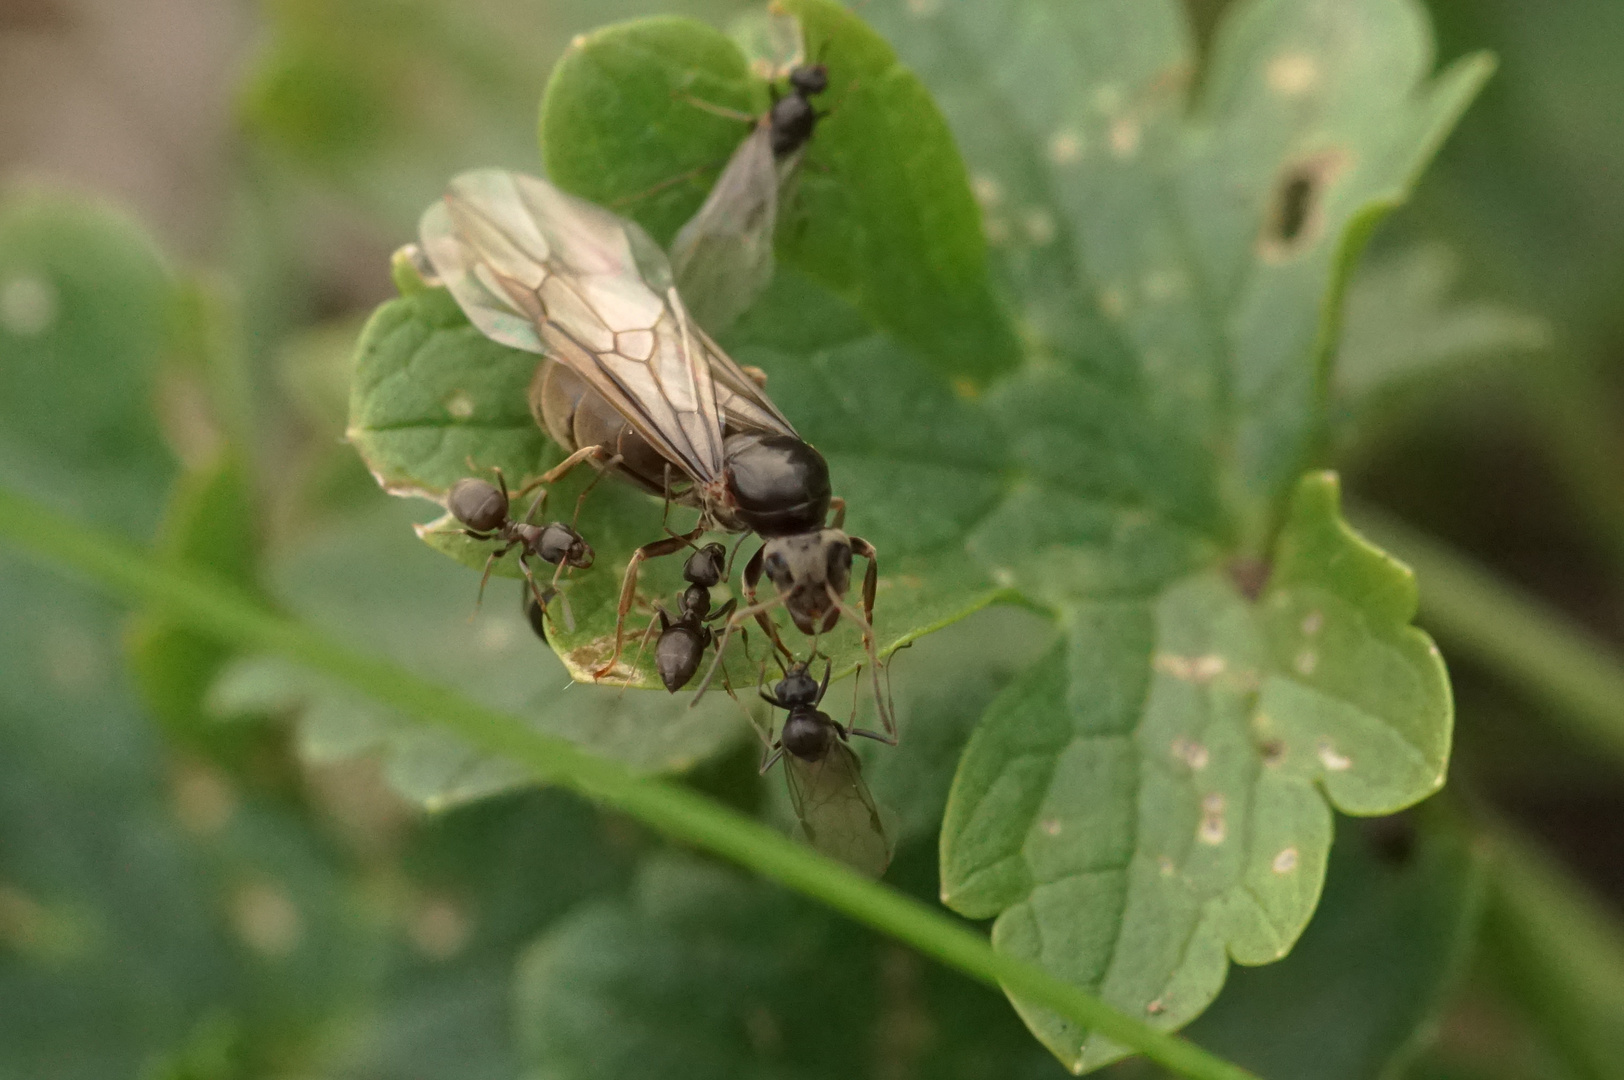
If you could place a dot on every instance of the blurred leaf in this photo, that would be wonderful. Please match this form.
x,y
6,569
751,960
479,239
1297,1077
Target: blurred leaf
x,y
364,579
1151,800
316,367
894,234
1361,991
1560,953
209,524
1405,321
702,973
122,918
86,304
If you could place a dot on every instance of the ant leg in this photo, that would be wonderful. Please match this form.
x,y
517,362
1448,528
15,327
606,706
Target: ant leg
x,y
724,611
880,705
602,471
585,453
749,579
628,588
670,181
837,506
663,622
542,598
871,578
715,109
755,610
486,576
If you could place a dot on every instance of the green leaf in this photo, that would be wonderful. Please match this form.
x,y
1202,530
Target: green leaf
x,y
364,579
1360,993
1108,190
1406,321
209,523
1155,797
430,392
85,309
893,233
1559,951
701,973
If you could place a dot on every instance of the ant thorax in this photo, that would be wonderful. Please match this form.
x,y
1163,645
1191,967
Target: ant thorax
x,y
807,733
812,572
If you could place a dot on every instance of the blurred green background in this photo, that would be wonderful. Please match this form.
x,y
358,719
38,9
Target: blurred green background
x,y
192,888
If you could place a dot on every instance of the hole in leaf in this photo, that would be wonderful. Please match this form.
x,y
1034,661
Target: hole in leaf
x,y
1294,218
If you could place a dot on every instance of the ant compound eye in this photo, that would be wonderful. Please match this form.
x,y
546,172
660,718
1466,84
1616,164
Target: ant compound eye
x,y
839,563
581,554
776,567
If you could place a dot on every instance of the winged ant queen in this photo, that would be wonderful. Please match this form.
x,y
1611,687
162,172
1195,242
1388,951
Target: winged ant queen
x,y
631,384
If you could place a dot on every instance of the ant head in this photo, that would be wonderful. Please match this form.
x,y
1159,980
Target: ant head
x,y
704,567
810,570
478,504
560,543
798,689
809,79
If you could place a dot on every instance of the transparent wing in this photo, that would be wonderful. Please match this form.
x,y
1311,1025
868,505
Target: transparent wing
x,y
541,270
836,810
723,256
772,40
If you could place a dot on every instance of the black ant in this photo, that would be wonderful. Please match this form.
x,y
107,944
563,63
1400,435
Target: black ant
x,y
483,509
826,787
683,640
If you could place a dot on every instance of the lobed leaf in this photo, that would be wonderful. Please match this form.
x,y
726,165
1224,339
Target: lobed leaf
x,y
1155,797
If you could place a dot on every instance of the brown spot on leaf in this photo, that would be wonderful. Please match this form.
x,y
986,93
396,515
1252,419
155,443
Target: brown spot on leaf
x,y
1294,219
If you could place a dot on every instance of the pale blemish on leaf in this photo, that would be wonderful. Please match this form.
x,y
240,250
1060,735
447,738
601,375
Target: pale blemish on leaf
x,y
1155,1008
1292,74
1306,662
987,191
1286,861
1052,826
1065,147
1192,753
1191,669
1113,302
1163,285
1213,825
1040,227
28,305
266,919
1124,137
1312,623
439,928
1332,760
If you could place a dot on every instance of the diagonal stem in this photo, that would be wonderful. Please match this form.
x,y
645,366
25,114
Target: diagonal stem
x,y
223,612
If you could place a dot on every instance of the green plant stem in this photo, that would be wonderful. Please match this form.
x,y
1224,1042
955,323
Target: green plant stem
x,y
1559,951
1479,615
221,611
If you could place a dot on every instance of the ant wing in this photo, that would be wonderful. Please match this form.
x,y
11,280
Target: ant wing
x,y
541,270
723,256
836,810
772,40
